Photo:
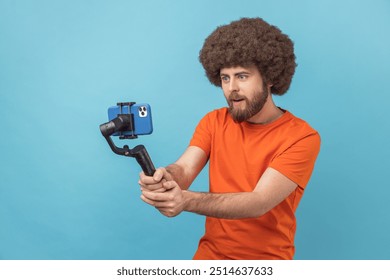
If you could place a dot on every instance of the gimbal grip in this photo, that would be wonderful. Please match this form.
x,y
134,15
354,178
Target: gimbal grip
x,y
143,158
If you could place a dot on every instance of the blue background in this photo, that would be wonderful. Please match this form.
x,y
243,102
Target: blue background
x,y
65,195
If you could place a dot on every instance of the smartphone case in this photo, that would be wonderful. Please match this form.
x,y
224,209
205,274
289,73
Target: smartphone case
x,y
142,116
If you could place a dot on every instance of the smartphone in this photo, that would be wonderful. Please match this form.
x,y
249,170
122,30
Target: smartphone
x,y
142,116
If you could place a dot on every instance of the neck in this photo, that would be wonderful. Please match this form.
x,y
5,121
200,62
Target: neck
x,y
269,113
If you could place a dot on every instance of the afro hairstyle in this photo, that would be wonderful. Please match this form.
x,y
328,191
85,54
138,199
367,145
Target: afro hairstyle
x,y
250,41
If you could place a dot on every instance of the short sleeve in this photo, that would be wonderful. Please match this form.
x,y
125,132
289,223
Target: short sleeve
x,y
202,136
297,161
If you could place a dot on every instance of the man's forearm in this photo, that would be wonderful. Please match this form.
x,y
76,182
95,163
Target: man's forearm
x,y
225,205
178,174
188,166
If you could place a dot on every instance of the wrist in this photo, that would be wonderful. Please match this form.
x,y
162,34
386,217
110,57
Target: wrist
x,y
172,170
187,200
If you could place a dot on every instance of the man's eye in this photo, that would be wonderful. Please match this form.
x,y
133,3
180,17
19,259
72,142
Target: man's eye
x,y
242,77
225,79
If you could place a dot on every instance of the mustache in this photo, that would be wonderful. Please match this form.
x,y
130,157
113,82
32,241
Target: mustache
x,y
234,96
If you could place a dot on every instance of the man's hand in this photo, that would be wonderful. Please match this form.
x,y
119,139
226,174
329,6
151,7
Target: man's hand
x,y
154,183
166,189
170,203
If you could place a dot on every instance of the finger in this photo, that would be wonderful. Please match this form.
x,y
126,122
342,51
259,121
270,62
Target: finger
x,y
168,185
146,200
150,187
159,174
169,212
157,196
156,204
145,179
141,183
148,180
156,189
166,205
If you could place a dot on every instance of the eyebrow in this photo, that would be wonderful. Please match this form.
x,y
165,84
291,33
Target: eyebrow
x,y
236,74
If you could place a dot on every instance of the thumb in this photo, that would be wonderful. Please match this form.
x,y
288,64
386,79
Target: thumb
x,y
158,175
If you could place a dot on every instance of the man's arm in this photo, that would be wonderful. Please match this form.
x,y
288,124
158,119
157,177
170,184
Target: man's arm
x,y
183,171
272,188
188,166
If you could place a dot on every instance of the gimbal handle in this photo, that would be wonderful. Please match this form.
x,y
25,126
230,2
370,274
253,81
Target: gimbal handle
x,y
138,152
143,159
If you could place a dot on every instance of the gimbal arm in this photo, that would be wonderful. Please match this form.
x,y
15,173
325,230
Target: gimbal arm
x,y
138,152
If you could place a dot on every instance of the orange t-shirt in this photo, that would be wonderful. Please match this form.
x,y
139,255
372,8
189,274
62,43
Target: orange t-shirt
x,y
238,156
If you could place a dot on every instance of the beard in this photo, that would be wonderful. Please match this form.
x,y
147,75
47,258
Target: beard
x,y
252,107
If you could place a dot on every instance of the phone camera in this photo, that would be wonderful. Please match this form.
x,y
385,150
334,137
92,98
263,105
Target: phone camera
x,y
142,111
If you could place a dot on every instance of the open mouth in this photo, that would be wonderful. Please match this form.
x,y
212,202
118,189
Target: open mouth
x,y
236,100
235,97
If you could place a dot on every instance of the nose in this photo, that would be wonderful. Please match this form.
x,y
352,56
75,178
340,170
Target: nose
x,y
233,85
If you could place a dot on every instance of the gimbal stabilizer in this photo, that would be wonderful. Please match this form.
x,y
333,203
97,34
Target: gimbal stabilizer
x,y
125,122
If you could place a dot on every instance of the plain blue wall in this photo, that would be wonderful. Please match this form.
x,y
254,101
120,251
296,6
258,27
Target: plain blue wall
x,y
65,195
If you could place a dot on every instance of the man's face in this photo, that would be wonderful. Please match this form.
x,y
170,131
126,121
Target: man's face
x,y
244,90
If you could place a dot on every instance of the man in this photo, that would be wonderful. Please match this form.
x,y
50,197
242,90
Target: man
x,y
261,156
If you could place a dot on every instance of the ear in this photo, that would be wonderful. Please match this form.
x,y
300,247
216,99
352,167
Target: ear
x,y
269,86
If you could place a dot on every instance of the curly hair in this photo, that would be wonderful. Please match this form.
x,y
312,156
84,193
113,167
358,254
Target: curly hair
x,y
250,41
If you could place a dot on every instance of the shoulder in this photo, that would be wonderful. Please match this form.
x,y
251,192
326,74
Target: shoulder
x,y
298,126
297,132
217,116
218,113
304,134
